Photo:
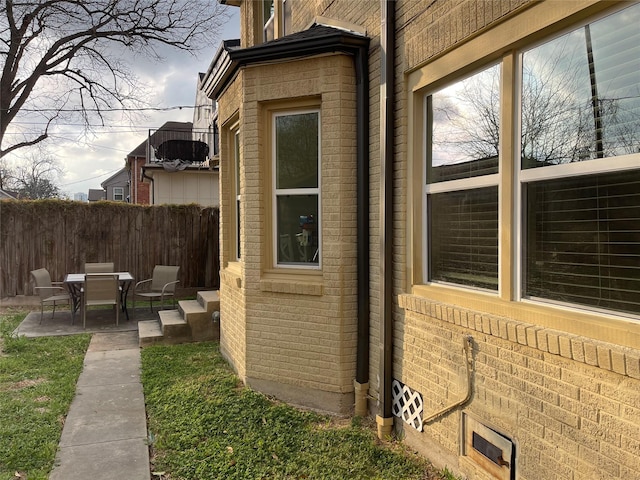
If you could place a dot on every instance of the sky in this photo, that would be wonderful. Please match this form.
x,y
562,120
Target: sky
x,y
86,164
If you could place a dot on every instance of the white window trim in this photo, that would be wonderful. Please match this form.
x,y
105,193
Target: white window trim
x,y
471,183
237,251
299,191
118,191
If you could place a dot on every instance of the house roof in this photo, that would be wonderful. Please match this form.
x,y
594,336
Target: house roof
x,y
219,70
114,177
5,194
179,130
316,40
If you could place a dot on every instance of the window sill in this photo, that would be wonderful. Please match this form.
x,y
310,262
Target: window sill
x,y
297,283
531,316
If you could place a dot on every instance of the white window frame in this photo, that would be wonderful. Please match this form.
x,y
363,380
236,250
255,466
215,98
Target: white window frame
x,y
297,191
523,176
118,192
512,290
237,246
268,24
491,180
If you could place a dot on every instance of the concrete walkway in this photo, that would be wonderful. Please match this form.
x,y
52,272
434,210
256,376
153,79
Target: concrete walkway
x,y
105,433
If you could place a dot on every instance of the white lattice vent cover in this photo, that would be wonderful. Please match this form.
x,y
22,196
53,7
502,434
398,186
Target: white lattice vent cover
x,y
407,404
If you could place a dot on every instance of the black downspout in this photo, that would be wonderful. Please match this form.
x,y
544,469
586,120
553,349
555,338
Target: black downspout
x,y
153,191
362,153
387,100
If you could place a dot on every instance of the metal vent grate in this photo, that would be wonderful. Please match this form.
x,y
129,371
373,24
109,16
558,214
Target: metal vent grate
x,y
491,450
407,404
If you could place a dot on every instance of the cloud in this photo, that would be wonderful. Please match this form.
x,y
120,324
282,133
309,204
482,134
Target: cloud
x,y
89,159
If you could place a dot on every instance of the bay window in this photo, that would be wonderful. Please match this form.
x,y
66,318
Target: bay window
x,y
296,188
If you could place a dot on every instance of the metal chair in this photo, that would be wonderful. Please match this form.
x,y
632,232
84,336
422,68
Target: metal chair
x,y
50,293
162,284
99,267
100,289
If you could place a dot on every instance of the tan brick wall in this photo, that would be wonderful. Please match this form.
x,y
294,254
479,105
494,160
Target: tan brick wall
x,y
571,404
299,330
300,339
232,305
432,28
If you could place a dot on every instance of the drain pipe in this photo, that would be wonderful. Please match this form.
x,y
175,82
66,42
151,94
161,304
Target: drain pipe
x,y
361,382
152,188
384,419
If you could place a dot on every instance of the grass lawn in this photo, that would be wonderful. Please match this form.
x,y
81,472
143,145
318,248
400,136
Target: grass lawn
x,y
204,425
37,384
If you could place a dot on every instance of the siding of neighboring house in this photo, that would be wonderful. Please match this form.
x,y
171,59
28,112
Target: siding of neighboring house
x,y
563,384
117,186
183,187
96,195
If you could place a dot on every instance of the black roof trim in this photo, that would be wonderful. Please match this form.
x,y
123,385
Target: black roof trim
x,y
316,40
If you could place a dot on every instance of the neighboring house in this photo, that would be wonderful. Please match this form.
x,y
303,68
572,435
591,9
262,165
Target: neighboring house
x,y
429,210
7,195
158,176
117,186
140,191
96,195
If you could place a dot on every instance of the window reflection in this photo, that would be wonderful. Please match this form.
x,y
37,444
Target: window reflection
x,y
581,94
464,120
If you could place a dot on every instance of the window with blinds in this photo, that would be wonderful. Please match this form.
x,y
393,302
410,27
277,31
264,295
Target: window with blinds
x,y
583,240
462,133
580,159
464,237
581,93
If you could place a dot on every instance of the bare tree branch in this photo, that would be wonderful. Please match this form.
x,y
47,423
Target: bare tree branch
x,y
59,52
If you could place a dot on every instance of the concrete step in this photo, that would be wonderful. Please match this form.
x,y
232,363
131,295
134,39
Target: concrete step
x,y
149,333
200,321
210,300
174,328
192,321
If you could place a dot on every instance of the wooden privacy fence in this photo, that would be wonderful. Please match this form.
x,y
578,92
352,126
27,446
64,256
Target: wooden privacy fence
x,y
62,235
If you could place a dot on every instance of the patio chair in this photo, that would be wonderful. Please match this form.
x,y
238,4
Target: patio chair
x,y
99,267
100,289
160,286
50,293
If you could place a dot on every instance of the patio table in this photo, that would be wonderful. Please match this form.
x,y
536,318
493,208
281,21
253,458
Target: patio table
x,y
75,281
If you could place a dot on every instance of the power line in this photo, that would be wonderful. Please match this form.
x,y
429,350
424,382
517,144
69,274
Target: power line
x,y
91,178
120,109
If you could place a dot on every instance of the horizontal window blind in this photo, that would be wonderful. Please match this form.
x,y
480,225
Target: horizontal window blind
x,y
463,231
583,240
